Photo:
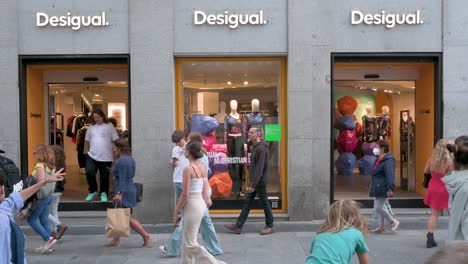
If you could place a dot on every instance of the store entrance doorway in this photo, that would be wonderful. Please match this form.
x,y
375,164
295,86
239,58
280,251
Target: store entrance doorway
x,y
57,98
399,101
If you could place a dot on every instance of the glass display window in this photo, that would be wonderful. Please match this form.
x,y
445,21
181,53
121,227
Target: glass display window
x,y
222,98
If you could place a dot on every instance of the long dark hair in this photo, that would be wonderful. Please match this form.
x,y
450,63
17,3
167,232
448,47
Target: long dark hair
x,y
59,158
194,148
101,114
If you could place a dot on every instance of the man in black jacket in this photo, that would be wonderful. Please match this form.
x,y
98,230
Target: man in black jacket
x,y
258,185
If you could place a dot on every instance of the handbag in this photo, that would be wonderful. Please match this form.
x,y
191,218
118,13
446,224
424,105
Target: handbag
x,y
139,192
118,222
427,179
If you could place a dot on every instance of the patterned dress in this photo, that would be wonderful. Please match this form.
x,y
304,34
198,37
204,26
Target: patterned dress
x,y
124,172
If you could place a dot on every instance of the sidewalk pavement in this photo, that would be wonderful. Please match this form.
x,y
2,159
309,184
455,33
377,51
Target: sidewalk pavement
x,y
288,245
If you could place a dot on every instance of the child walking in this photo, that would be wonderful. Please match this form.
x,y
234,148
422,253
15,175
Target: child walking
x,y
58,228
340,236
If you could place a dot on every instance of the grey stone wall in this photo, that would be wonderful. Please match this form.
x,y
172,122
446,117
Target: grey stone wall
x,y
270,38
9,92
455,69
308,108
112,39
152,105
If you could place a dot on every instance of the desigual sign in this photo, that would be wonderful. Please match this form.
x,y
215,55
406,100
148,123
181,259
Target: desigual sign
x,y
227,19
390,20
74,22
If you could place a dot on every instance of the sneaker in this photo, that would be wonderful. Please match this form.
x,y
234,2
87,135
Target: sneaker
x,y
378,230
395,225
234,228
163,250
91,196
61,230
103,197
266,231
50,243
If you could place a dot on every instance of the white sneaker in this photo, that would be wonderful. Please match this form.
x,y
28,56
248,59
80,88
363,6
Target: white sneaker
x,y
395,226
163,250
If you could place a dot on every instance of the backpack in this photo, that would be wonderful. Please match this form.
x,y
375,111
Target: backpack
x,y
14,181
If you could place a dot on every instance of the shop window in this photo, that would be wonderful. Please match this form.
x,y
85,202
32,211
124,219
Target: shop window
x,y
222,99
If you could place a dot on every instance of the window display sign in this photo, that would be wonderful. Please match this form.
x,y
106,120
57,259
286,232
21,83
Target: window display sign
x,y
273,132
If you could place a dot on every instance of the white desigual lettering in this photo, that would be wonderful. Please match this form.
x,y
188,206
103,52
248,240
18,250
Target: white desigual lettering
x,y
231,20
390,20
74,22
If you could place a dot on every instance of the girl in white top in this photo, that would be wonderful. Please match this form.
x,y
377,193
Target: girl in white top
x,y
194,200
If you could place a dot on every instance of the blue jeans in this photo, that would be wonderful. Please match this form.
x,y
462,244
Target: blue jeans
x,y
209,237
39,218
177,189
207,230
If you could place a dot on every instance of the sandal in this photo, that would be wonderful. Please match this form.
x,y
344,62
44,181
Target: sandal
x,y
112,243
148,241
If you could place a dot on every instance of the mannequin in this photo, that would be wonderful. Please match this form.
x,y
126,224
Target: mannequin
x,y
235,146
368,121
384,124
221,115
255,119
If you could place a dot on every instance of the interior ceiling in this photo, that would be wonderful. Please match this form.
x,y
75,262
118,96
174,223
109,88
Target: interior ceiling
x,y
79,88
386,86
231,74
377,76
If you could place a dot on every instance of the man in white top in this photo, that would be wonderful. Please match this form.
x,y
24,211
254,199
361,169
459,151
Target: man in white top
x,y
179,161
99,143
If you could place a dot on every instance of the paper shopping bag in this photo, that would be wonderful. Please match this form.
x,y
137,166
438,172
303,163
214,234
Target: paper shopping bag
x,y
118,222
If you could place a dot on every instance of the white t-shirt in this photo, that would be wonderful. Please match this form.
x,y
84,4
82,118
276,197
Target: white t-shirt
x,y
100,139
178,153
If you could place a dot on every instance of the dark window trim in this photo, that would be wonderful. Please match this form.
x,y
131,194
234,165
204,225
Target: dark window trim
x,y
431,57
25,60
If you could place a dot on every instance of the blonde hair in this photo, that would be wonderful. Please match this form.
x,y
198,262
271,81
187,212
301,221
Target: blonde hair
x,y
45,153
344,214
441,161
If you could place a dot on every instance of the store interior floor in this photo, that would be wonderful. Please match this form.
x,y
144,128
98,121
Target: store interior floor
x,y
76,186
357,186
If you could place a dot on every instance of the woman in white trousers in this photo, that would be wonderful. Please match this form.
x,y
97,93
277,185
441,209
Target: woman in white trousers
x,y
194,200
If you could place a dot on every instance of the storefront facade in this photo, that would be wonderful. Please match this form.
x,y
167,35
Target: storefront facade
x,y
295,57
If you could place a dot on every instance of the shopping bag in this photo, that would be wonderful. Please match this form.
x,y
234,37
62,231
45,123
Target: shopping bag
x,y
118,222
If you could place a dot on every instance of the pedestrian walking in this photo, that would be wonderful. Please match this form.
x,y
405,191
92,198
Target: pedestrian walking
x,y
457,187
383,185
98,143
194,200
258,185
12,239
436,197
39,217
58,228
125,190
207,229
340,236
